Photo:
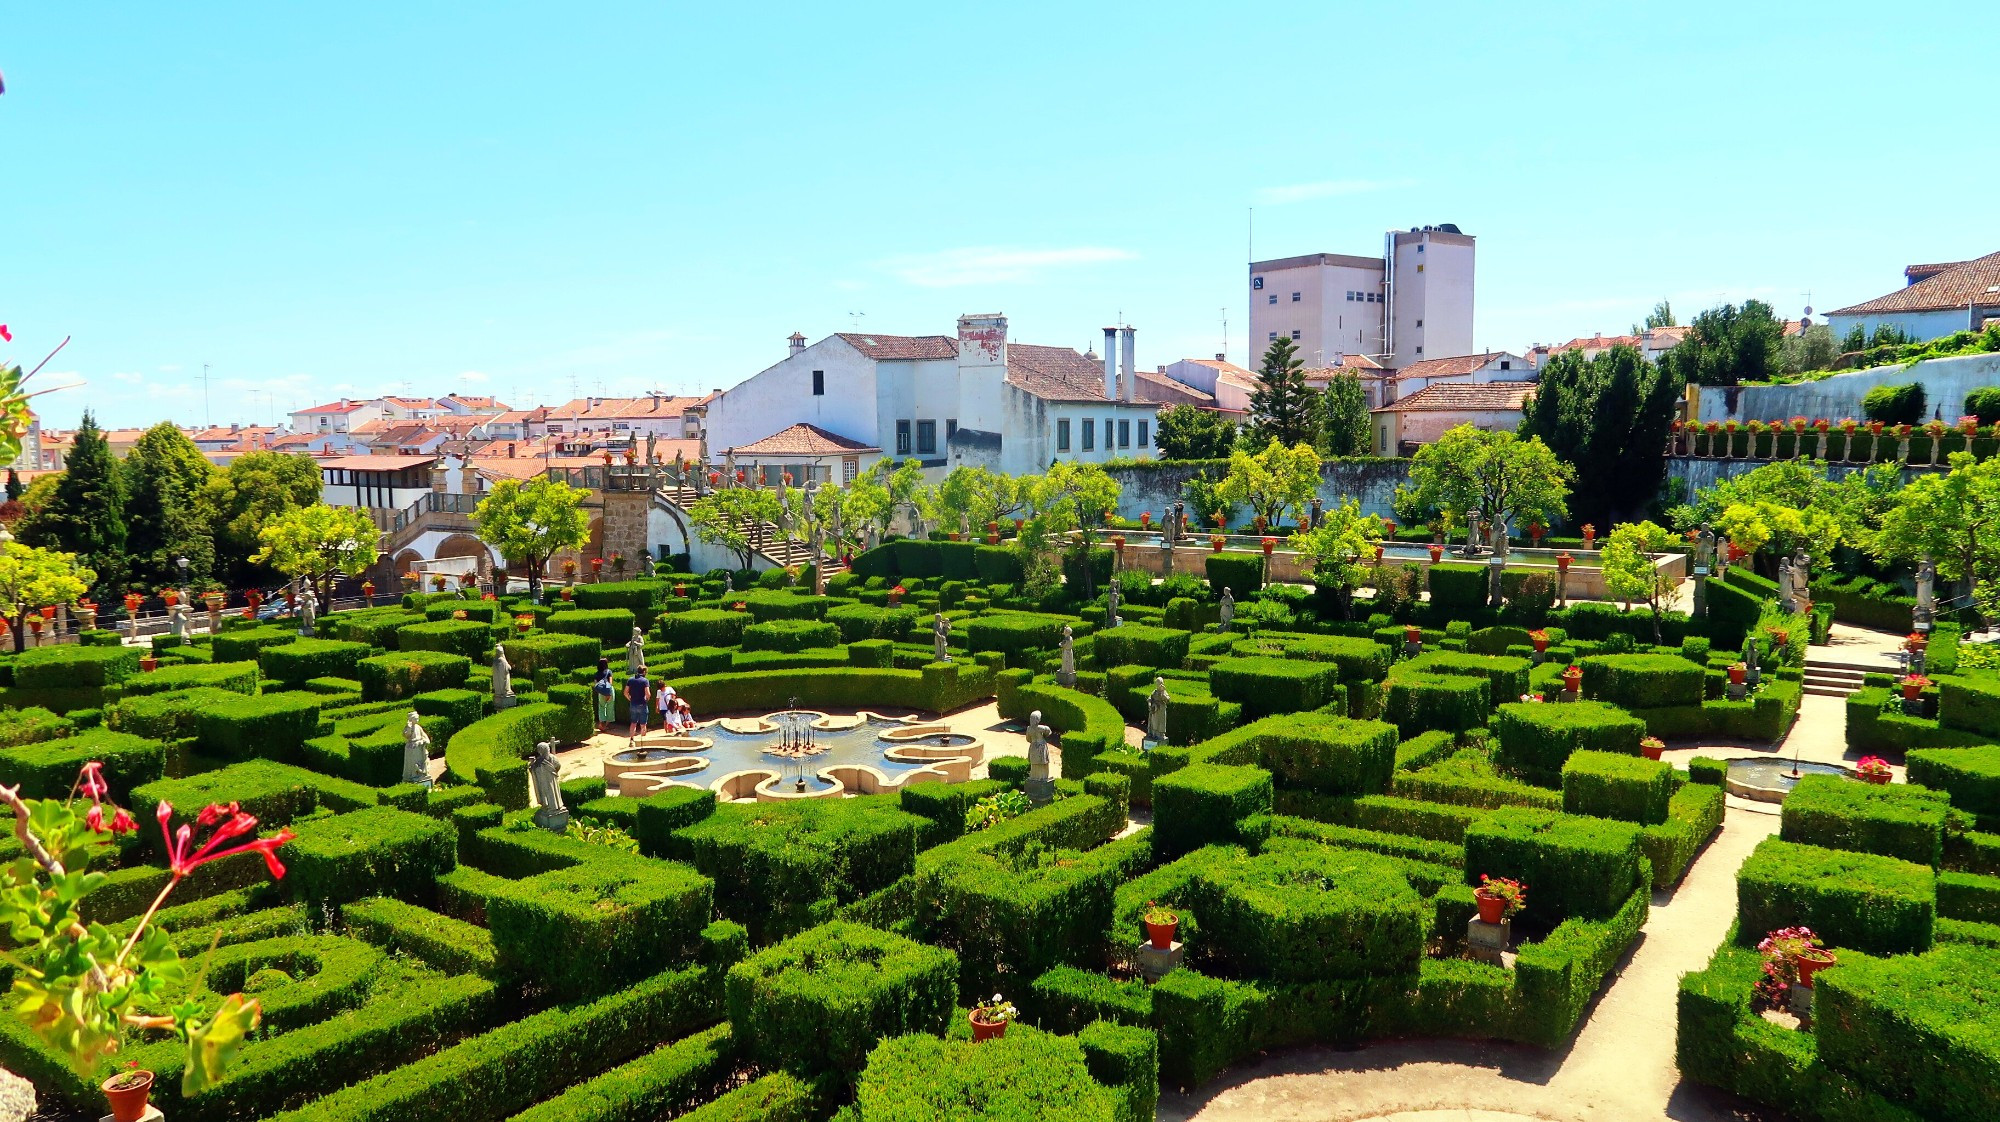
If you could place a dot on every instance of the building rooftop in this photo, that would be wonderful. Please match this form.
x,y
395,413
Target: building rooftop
x,y
377,463
802,440
618,408
1451,367
334,407
1955,287
906,347
1463,397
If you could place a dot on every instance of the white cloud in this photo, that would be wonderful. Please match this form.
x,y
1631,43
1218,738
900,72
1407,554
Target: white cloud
x,y
473,378
956,268
1325,189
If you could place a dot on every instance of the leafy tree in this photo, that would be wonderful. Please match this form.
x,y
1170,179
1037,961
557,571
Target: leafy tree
x,y
532,522
978,495
1953,517
164,478
1901,404
1629,571
318,544
1662,315
32,578
1347,430
1283,408
1187,433
1886,335
84,511
1984,403
1205,500
14,487
1068,502
1791,505
1272,481
1607,417
239,499
723,518
885,488
1728,345
829,501
1516,479
1340,546
1811,349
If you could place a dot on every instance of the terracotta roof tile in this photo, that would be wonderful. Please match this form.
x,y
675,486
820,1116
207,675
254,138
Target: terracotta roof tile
x,y
802,440
1466,397
379,463
892,347
1451,367
1954,288
333,407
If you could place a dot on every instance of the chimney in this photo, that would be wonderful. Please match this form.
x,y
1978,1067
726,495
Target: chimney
x,y
798,342
1131,366
1111,364
510,449
1221,357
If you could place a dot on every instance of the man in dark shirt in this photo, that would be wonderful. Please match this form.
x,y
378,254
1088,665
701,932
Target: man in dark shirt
x,y
638,691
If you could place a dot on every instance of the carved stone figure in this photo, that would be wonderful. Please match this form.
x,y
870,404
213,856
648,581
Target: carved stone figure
x,y
1926,591
652,443
416,751
1066,675
1497,536
177,624
1111,604
941,638
545,772
1472,533
1040,787
1156,712
635,651
503,678
308,612
1787,592
1802,572
1228,610
1752,674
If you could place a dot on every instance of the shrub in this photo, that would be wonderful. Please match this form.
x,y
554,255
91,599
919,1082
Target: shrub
x,y
48,769
1015,632
703,627
1506,674
1642,681
274,725
789,635
1971,704
668,1080
1416,702
765,604
1971,776
1026,1076
1901,820
464,637
1870,903
1299,911
1124,1058
392,677
233,677
1537,738
1457,588
1984,403
1359,660
997,564
492,752
1917,1028
1694,814
1273,685
1573,866
451,945
857,622
32,726
1240,573
1615,785
458,707
531,654
1133,644
1202,804
611,627
374,627
1333,755
73,667
305,659
370,852
1901,404
818,1002
592,927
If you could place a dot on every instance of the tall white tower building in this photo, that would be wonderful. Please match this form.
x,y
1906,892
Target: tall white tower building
x,y
1412,303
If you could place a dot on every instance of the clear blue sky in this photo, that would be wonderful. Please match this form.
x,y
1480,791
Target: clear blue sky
x,y
512,199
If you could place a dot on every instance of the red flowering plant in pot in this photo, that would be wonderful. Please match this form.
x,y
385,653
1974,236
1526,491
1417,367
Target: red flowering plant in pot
x,y
1499,897
990,1018
1161,923
1792,955
1873,769
1914,686
88,991
1540,639
1652,747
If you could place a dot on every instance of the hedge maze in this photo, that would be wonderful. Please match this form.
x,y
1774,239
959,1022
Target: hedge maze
x,y
1322,808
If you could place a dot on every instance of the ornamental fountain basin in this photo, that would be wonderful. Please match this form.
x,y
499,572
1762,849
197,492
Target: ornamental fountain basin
x,y
1768,779
796,753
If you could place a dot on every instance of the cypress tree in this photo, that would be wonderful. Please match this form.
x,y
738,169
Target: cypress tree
x,y
86,514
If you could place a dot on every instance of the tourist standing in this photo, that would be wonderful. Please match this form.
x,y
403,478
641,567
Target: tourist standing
x,y
637,692
605,694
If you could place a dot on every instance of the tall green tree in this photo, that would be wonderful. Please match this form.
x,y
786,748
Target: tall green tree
x,y
319,544
1189,433
1815,348
724,516
1729,345
532,522
978,495
85,514
164,478
1283,407
1347,429
1272,482
1629,569
1953,517
32,578
1340,546
1662,315
1607,417
1067,503
1501,475
240,498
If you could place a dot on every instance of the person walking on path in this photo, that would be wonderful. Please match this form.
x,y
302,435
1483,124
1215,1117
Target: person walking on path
x,y
605,693
637,692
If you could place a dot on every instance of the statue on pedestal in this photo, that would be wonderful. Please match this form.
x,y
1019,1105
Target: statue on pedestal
x,y
941,638
416,751
1787,593
1156,712
1926,593
1066,676
1228,610
503,678
1040,786
635,651
545,772
177,624
1111,604
1752,674
308,612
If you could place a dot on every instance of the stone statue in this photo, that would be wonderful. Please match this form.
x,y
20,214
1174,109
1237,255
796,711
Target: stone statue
x,y
1497,535
729,469
652,443
941,638
1802,572
1704,551
416,751
1066,676
1041,788
503,678
1787,593
545,772
177,624
1472,533
308,612
1926,590
1111,604
1228,610
635,651
1752,673
729,580
1156,712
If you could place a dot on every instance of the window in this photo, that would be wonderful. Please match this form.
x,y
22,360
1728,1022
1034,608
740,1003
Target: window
x,y
1089,434
819,383
902,438
1295,297
1144,441
926,438
1124,434
1295,335
1420,268
1257,283
1272,299
1420,350
1062,434
1504,363
1420,323
950,429
1274,335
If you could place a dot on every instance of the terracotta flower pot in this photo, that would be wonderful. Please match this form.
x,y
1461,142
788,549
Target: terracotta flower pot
x,y
1737,674
983,1031
1912,691
1161,935
1573,682
1652,751
1541,645
128,1104
1811,962
1437,554
1879,778
1413,634
1492,909
1216,543
149,664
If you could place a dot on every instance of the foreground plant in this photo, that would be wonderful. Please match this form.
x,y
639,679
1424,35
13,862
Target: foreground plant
x,y
85,990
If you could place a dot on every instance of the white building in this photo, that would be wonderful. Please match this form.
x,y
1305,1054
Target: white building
x,y
1429,413
337,416
1935,300
1462,370
976,399
1412,302
1229,384
375,482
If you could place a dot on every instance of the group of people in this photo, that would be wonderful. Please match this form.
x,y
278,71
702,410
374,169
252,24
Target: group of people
x,y
643,699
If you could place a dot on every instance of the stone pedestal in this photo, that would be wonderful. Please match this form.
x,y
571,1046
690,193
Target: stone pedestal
x,y
1488,942
1041,792
1737,691
1155,963
1412,650
1569,696
554,821
1801,1000
152,1115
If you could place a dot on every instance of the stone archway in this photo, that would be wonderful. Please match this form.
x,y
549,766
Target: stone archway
x,y
463,545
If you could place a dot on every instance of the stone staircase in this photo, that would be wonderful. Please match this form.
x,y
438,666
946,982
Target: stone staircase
x,y
1827,677
765,537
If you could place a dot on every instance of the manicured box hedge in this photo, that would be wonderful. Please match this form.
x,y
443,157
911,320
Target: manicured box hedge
x,y
765,604
1536,738
1300,911
1025,1075
817,1003
703,627
611,627
1971,775
492,752
451,945
1894,820
273,725
1971,704
1014,632
1333,755
392,677
466,638
1457,588
595,926
1202,804
305,659
1417,703
377,851
790,635
458,707
74,667
242,644
528,654
48,769
1573,866
1922,1029
1139,645
1506,674
1240,573
1359,660
163,716
663,1082
1859,900
1614,785
235,677
1642,681
1265,686
868,621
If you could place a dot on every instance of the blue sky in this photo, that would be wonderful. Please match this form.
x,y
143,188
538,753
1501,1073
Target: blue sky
x,y
520,199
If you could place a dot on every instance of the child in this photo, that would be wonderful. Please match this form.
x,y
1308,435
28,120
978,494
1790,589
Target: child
x,y
602,689
683,715
637,691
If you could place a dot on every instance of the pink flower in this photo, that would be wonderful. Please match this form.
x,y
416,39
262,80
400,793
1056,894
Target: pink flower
x,y
92,781
229,823
122,822
94,818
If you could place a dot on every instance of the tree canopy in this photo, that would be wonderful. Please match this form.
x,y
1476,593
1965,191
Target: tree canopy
x,y
723,517
886,487
1608,418
1282,407
1728,345
1347,429
1515,479
978,495
1629,571
1273,481
318,544
1185,432
1069,497
241,498
1340,547
528,523
85,509
32,578
1952,517
164,478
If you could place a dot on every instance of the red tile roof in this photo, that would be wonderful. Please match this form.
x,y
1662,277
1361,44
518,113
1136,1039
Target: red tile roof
x,y
619,408
802,440
335,407
1951,289
378,463
1451,367
1159,389
1464,397
892,347
1598,342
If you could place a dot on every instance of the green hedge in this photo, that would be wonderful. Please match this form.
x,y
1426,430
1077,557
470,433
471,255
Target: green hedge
x,y
703,627
48,769
1240,573
273,725
1015,632
235,677
1025,1076
530,654
163,716
305,659
1301,911
1971,776
1859,900
1920,1029
594,926
1694,814
1203,804
392,677
1359,660
1457,588
1894,820
611,627
1136,644
1266,686
817,1003
1537,737
74,667
1573,866
1416,702
1613,785
243,644
1970,704
669,1080
451,945
1332,755
466,638
868,621
938,688
1642,681
790,635
1507,675
492,752
377,851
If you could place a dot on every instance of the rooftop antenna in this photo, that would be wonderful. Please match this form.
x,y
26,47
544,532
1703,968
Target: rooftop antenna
x,y
1250,234
1225,330
854,321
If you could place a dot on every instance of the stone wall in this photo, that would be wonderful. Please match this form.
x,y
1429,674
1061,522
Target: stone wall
x,y
1700,473
1945,381
1155,485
